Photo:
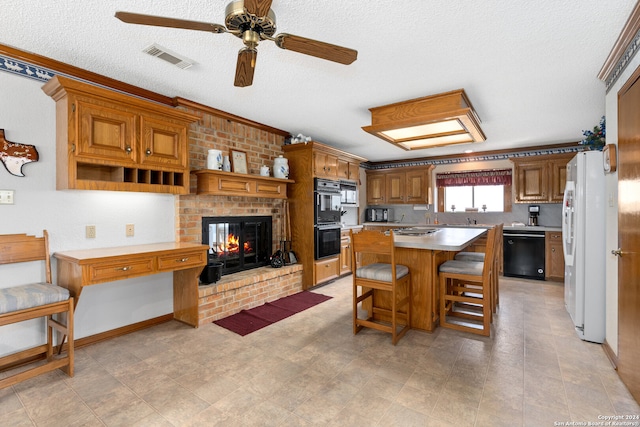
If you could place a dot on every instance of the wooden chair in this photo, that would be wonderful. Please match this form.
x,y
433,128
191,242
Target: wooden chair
x,y
479,257
31,301
380,274
466,291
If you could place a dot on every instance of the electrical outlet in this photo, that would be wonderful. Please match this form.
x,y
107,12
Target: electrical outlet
x,y
130,230
6,197
91,231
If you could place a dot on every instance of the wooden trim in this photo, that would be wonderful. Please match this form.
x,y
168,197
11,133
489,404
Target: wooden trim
x,y
82,74
628,33
610,354
629,83
118,332
99,79
182,102
506,151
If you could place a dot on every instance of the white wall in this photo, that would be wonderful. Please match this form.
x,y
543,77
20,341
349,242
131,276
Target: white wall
x,y
28,116
611,108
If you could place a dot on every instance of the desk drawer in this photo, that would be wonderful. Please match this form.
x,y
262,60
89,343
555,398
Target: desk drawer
x,y
119,270
181,260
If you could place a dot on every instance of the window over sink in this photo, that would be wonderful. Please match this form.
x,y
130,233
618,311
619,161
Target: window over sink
x,y
480,190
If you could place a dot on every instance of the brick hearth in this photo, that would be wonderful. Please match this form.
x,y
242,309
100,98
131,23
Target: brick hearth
x,y
247,289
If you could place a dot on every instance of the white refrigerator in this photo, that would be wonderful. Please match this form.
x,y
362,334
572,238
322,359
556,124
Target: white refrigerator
x,y
583,238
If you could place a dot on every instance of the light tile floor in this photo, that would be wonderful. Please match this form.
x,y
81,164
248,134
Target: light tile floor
x,y
310,369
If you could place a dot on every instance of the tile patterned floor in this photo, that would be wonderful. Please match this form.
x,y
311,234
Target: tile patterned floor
x,y
310,370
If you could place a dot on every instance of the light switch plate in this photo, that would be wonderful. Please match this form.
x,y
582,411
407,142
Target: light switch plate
x,y
90,231
6,197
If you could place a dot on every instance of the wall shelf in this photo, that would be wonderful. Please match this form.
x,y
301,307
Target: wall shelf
x,y
219,183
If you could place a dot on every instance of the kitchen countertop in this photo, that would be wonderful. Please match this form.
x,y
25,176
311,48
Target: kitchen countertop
x,y
351,226
506,226
445,238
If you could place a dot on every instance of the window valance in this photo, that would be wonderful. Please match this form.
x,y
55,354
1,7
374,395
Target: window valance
x,y
479,177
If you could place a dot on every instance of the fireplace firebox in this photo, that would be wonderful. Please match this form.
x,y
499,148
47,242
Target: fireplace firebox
x,y
237,242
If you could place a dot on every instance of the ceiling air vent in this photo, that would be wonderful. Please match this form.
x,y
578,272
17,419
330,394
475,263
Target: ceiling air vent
x,y
169,56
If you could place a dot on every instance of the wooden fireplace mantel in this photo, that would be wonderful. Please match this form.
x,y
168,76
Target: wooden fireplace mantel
x,y
219,183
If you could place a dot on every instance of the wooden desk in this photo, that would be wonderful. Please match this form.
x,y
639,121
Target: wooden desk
x,y
77,269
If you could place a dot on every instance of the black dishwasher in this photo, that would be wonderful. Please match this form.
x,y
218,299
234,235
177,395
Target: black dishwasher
x,y
524,254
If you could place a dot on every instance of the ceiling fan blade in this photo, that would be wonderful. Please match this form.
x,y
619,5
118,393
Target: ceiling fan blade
x,y
330,52
258,7
159,21
245,67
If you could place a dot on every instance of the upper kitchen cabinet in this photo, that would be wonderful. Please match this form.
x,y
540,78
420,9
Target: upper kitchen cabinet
x,y
324,161
395,186
541,181
107,140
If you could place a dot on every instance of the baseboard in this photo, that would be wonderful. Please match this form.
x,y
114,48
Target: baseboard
x,y
103,336
610,354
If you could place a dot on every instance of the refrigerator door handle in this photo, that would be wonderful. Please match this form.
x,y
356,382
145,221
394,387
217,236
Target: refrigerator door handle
x,y
568,245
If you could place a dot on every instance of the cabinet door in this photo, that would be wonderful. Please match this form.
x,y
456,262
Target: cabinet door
x,y
105,132
326,269
325,165
554,259
533,182
558,179
375,189
417,187
395,187
161,142
343,169
345,255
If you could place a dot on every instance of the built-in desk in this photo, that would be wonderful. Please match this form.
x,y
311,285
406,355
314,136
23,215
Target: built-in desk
x,y
80,268
423,255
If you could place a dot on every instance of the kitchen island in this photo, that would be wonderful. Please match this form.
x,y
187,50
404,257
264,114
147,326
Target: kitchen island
x,y
423,252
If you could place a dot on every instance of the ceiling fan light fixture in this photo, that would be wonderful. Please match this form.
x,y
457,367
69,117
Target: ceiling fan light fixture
x,y
432,121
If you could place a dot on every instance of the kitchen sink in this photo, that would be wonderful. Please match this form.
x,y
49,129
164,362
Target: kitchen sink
x,y
414,231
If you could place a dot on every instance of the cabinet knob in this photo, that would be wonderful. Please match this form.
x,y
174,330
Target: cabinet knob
x,y
124,268
128,149
183,260
553,249
617,252
148,152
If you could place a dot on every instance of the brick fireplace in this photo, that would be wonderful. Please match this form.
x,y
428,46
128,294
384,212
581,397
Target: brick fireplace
x,y
242,290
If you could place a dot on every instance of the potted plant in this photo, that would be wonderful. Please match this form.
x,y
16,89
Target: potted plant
x,y
595,139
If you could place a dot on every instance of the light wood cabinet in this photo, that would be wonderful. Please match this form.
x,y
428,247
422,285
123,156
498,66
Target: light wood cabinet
x,y
306,162
375,189
540,181
107,140
345,253
220,183
326,269
394,186
554,257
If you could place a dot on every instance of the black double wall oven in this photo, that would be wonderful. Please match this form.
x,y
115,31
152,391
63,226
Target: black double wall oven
x,y
327,213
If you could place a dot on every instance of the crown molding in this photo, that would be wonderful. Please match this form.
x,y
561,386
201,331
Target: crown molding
x,y
624,49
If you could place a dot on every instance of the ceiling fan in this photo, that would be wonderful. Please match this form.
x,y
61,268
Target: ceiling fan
x,y
252,21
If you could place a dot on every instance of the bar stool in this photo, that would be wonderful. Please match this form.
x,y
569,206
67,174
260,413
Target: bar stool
x,y
385,276
466,291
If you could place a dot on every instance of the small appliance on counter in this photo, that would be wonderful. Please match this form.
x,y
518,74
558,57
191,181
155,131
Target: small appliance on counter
x,y
376,215
534,211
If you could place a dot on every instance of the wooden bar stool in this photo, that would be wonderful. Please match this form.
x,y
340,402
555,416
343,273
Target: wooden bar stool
x,y
466,292
384,276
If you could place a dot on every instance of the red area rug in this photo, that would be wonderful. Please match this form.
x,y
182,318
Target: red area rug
x,y
247,321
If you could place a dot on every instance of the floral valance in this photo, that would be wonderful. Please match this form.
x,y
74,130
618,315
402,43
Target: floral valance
x,y
480,177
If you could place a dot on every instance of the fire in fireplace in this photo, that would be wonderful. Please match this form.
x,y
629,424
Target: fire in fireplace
x,y
237,242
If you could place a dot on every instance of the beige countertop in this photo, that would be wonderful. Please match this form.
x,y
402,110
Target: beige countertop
x,y
444,238
506,226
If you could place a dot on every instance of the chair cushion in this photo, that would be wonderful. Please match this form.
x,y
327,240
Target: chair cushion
x,y
470,256
381,272
29,296
462,267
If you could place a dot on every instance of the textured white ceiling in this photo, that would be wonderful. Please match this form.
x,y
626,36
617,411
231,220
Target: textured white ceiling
x,y
529,67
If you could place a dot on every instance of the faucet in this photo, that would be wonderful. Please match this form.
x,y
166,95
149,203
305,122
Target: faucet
x,y
475,221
